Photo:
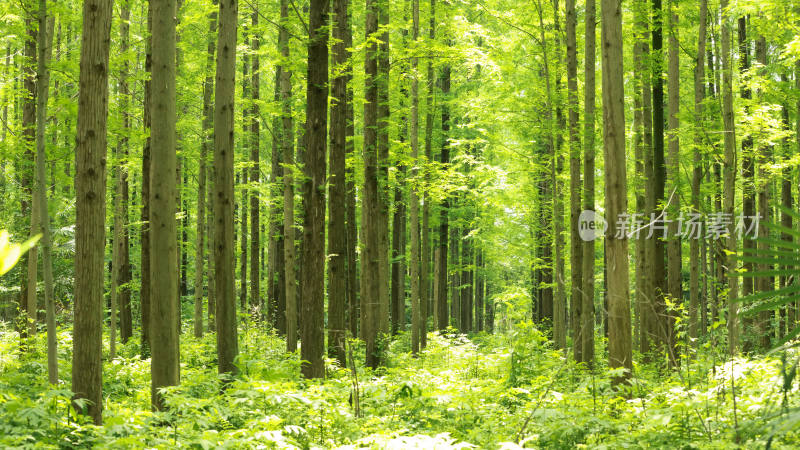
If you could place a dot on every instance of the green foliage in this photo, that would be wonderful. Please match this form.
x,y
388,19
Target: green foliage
x,y
487,391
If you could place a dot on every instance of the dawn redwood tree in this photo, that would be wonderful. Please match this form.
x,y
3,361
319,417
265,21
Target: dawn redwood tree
x,y
287,148
313,258
417,325
165,365
441,271
144,264
370,265
427,292
255,168
729,177
27,208
45,49
227,340
337,233
576,244
90,191
587,269
619,327
674,284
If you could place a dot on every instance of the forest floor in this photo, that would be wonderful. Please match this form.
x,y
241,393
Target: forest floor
x,y
486,391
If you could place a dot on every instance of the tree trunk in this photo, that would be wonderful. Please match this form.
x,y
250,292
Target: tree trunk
x,y
576,244
441,252
90,188
165,366
208,91
313,273
287,144
587,269
418,328
383,167
398,257
144,263
619,327
353,306
765,283
124,275
255,168
674,241
729,189
28,207
45,49
427,294
337,226
697,173
370,265
227,340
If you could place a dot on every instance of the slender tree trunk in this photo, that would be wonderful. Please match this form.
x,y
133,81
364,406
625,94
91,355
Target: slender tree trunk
x,y
765,283
287,145
90,188
144,264
576,244
398,257
208,91
45,49
312,278
428,294
353,306
124,275
283,137
337,226
587,270
674,243
28,207
415,264
227,340
240,211
659,176
383,166
697,173
729,189
370,264
441,251
619,327
255,169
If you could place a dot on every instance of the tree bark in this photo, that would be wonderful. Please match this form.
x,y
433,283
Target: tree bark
x,y
697,173
144,263
28,206
619,327
427,292
576,244
337,226
674,243
383,167
415,263
587,269
312,284
729,175
227,340
287,144
90,189
165,365
45,50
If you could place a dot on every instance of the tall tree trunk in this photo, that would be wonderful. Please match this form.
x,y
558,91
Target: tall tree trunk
x,y
287,147
428,294
697,173
45,50
208,91
560,300
587,269
353,306
416,267
659,175
90,189
765,283
398,256
576,244
144,263
28,207
441,252
313,273
619,327
165,366
124,274
383,165
255,168
674,243
337,226
240,209
227,340
729,189
370,265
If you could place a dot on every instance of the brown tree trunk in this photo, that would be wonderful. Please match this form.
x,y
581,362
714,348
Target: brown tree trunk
x,y
287,146
255,168
619,327
659,177
337,226
674,241
415,263
440,283
353,303
313,257
90,188
576,244
426,291
124,275
587,269
729,189
697,173
144,263
28,207
383,167
165,366
227,340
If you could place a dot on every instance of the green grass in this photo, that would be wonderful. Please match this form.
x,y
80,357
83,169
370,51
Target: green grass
x,y
484,391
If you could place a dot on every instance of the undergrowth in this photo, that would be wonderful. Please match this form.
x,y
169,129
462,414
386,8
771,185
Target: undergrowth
x,y
486,391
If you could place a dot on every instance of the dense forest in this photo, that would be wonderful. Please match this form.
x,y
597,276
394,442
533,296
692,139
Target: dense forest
x,y
399,224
